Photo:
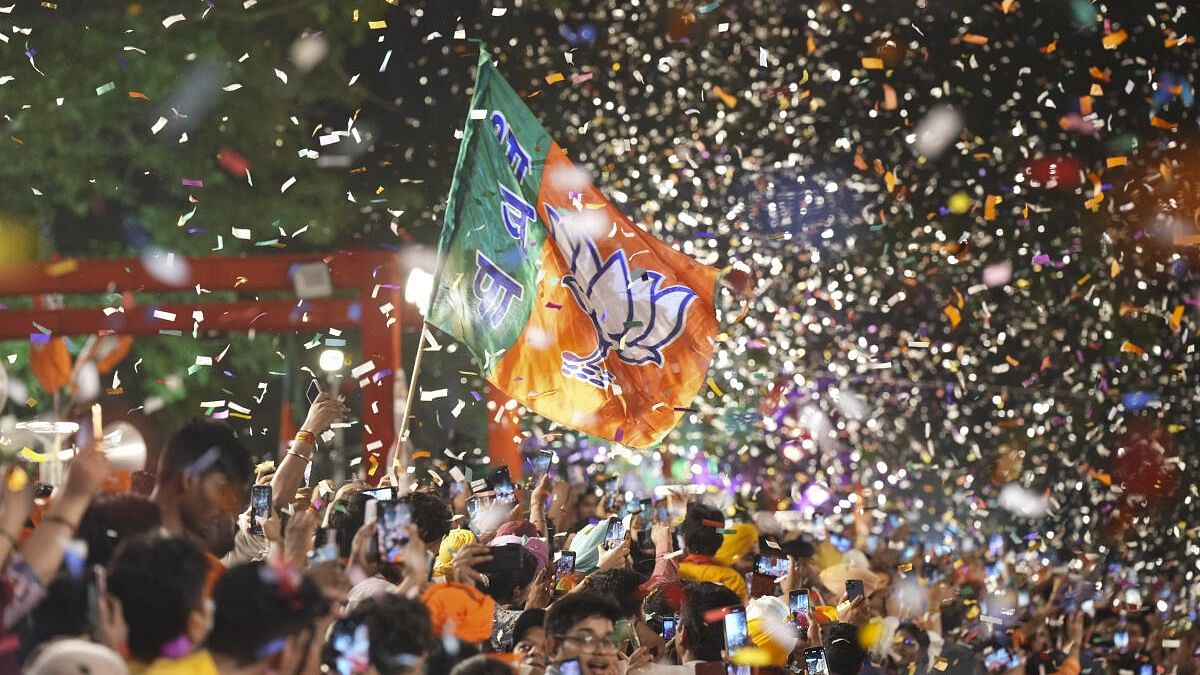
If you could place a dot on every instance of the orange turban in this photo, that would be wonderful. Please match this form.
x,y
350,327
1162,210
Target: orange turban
x,y
469,610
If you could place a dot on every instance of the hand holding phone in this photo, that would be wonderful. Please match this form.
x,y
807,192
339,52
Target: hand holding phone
x,y
815,662
260,507
391,529
737,630
313,391
855,589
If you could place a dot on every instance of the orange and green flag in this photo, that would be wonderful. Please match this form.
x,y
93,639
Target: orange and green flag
x,y
568,306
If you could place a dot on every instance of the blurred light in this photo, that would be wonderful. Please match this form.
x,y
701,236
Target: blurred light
x,y
418,288
331,360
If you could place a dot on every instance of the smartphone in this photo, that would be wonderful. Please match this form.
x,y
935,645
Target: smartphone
x,y
348,650
615,534
1121,640
773,566
855,589
798,602
383,493
96,591
662,514
814,661
391,529
1146,669
997,659
564,571
570,667
737,631
501,482
670,624
542,460
260,507
312,392
504,558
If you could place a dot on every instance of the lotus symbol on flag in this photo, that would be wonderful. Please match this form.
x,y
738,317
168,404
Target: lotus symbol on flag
x,y
634,318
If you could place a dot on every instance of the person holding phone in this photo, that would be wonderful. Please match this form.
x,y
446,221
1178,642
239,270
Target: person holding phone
x,y
700,641
582,626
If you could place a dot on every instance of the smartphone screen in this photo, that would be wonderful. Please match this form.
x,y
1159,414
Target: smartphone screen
x,y
501,482
814,661
798,602
570,667
773,566
1121,640
349,648
662,513
615,534
391,530
312,392
383,493
737,632
564,571
260,507
854,589
669,625
1146,669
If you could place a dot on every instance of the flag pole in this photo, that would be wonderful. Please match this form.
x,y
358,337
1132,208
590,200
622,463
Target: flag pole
x,y
399,449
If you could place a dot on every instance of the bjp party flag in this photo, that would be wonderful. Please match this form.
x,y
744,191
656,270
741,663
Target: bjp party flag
x,y
567,306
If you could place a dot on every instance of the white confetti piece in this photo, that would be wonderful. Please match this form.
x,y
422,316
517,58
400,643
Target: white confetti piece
x,y
165,316
433,395
281,75
287,184
172,20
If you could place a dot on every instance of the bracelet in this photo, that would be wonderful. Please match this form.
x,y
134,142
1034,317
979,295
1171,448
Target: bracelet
x,y
296,454
306,437
55,518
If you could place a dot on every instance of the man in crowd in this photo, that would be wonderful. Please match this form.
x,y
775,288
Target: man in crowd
x,y
702,539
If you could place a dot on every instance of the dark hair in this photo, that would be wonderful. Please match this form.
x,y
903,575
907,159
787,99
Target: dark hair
x,y
503,582
576,608
113,518
204,447
842,650
482,665
530,618
621,585
444,655
399,629
918,634
699,538
348,520
259,604
159,582
432,515
705,640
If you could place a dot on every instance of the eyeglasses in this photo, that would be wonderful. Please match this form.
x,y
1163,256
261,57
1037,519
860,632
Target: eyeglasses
x,y
590,644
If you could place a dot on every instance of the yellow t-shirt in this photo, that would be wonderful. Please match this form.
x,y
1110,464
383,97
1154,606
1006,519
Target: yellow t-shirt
x,y
704,568
199,662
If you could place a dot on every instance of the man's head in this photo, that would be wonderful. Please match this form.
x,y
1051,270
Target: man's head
x,y
265,615
160,583
399,632
700,636
910,643
621,585
581,626
700,529
204,475
529,638
113,518
432,516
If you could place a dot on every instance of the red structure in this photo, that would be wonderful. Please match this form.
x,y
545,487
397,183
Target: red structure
x,y
375,279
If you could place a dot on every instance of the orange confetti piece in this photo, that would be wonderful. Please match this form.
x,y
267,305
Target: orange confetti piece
x,y
1050,48
1012,361
422,453
953,314
1114,269
872,63
554,78
1006,6
728,99
1159,123
989,207
1114,40
1175,42
1100,476
1128,346
1098,74
138,94
811,45
1116,161
1176,318
975,39
1096,90
890,101
890,180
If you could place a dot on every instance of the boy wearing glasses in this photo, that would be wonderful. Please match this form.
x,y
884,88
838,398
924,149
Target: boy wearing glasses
x,y
582,626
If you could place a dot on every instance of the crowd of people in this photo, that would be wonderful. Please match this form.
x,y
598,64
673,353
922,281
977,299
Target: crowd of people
x,y
227,567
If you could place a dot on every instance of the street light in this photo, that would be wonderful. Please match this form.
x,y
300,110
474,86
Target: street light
x,y
331,360
418,288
